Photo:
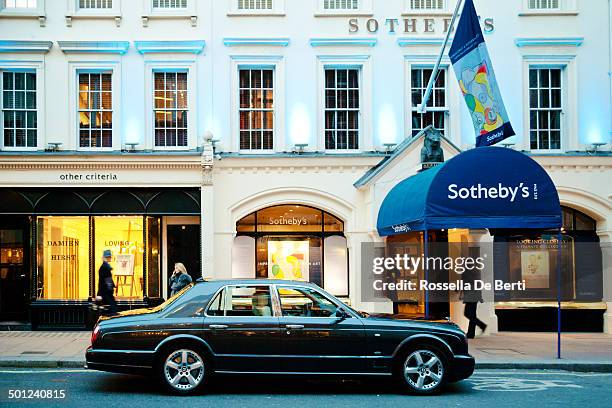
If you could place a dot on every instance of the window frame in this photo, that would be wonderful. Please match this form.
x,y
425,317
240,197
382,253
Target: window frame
x,y
150,11
347,109
411,11
278,9
273,301
151,67
566,7
363,64
38,11
37,68
75,11
299,288
113,67
569,123
538,109
277,64
412,109
365,9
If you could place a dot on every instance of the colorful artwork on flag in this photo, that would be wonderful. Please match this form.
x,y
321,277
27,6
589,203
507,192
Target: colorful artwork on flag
x,y
474,71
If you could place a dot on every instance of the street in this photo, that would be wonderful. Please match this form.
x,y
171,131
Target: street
x,y
499,388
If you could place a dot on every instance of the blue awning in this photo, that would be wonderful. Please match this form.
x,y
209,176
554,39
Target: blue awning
x,y
488,187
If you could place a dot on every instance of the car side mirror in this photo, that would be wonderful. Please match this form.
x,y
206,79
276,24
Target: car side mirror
x,y
342,314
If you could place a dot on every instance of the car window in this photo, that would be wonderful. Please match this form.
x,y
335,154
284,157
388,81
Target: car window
x,y
242,301
305,302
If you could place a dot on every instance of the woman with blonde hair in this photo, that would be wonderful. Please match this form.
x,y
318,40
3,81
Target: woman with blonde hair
x,y
179,279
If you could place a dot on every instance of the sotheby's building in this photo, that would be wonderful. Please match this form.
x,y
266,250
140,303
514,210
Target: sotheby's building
x,y
231,135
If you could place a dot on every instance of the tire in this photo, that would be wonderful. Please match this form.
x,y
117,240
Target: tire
x,y
182,369
422,370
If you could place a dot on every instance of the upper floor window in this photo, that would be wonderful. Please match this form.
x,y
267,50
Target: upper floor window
x,y
95,109
543,4
19,114
425,5
169,4
256,109
437,109
255,4
20,4
342,109
95,4
545,108
170,109
341,4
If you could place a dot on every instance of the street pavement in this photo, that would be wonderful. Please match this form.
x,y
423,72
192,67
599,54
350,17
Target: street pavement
x,y
492,388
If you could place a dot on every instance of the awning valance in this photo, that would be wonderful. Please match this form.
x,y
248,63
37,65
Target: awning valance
x,y
488,187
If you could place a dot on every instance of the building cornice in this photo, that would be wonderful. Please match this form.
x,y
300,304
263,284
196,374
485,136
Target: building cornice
x,y
250,41
193,47
25,46
104,47
343,41
551,41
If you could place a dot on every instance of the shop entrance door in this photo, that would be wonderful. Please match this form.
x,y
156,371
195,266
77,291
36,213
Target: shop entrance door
x,y
183,245
14,276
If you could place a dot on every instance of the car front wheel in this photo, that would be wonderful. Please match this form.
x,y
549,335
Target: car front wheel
x,y
182,370
423,370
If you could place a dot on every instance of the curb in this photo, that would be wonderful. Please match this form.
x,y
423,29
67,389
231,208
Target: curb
x,y
566,366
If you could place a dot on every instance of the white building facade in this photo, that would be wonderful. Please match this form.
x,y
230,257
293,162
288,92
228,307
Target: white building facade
x,y
226,133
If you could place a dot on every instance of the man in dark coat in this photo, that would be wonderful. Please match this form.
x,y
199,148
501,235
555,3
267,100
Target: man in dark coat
x,y
106,286
471,298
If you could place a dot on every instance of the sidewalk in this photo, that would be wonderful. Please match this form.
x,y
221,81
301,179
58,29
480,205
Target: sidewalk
x,y
580,351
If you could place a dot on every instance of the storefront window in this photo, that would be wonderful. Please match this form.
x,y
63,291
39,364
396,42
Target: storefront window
x,y
124,237
63,264
293,242
153,257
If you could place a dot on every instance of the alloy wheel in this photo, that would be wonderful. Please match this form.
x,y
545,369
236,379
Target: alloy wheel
x,y
423,370
184,369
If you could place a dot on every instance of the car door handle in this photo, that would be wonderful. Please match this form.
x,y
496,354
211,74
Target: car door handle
x,y
294,326
218,326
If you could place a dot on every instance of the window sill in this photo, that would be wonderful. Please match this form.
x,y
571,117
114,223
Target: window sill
x,y
34,14
551,13
344,13
256,14
19,149
170,16
432,13
259,152
93,16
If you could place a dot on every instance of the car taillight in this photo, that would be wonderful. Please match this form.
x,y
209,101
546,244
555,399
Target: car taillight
x,y
94,334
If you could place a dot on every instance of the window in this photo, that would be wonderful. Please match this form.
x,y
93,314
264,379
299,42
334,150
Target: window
x,y
545,108
342,109
170,109
95,4
169,4
242,301
63,244
436,105
255,4
20,4
543,4
341,4
427,4
95,110
305,302
256,109
19,109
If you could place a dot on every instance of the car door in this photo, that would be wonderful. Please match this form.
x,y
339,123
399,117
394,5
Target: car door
x,y
241,327
314,338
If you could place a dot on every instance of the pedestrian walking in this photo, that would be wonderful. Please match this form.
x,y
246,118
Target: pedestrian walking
x,y
179,279
106,286
471,298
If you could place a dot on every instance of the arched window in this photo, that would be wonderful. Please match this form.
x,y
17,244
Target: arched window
x,y
292,241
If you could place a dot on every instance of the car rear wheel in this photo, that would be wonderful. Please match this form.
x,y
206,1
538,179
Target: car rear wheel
x,y
423,370
182,370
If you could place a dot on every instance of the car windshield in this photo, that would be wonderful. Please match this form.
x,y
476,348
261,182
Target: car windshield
x,y
173,298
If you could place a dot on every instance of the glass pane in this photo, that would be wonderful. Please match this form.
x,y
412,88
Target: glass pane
x,y
555,101
181,81
256,99
353,78
416,78
342,79
544,98
247,301
31,81
256,78
331,223
19,100
106,82
544,78
20,119
9,119
268,79
244,78
584,222
31,120
533,99
330,78
533,78
153,256
63,245
19,81
107,100
7,80
9,137
31,135
555,78
330,99
94,81
268,102
342,99
20,137
302,302
83,100
533,120
123,236
7,99
353,96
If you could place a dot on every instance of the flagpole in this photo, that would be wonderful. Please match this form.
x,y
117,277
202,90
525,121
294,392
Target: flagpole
x,y
434,73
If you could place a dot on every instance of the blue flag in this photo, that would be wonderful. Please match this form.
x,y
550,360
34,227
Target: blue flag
x,y
472,64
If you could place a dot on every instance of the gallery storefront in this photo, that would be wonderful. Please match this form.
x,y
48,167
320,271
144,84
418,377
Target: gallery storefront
x,y
52,240
292,241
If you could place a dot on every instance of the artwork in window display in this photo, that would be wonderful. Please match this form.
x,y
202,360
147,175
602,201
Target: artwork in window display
x,y
288,260
535,269
64,265
125,265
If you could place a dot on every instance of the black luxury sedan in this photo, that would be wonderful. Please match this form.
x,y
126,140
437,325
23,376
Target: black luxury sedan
x,y
274,327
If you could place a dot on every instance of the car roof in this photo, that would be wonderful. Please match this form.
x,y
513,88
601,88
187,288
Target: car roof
x,y
255,282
